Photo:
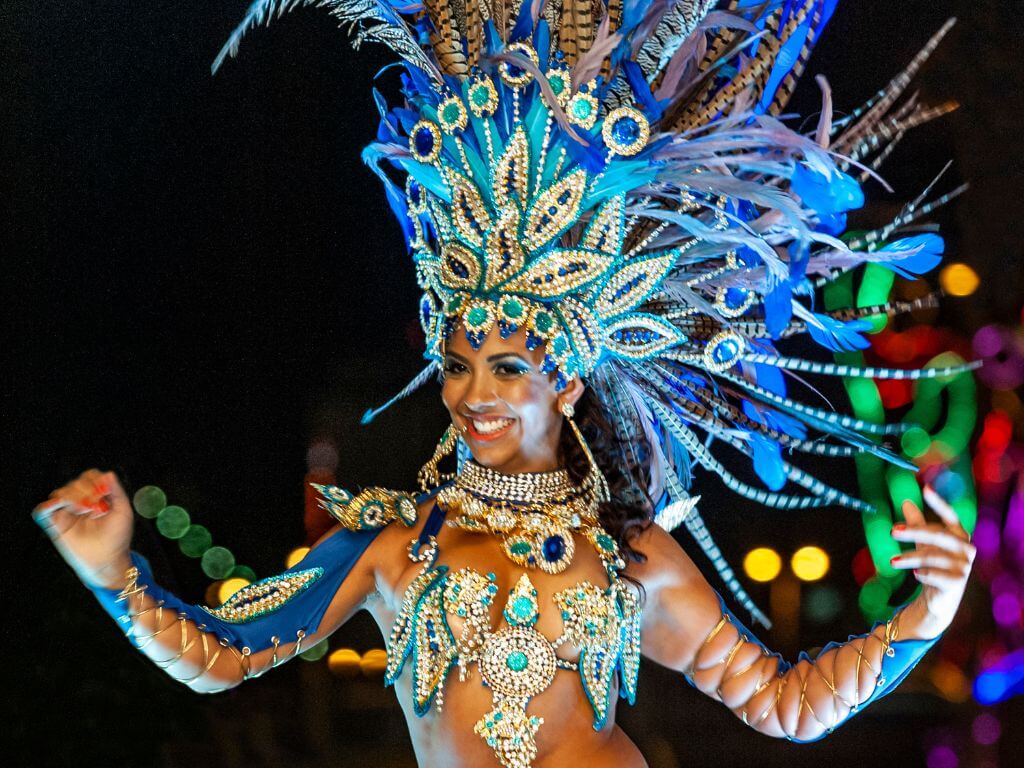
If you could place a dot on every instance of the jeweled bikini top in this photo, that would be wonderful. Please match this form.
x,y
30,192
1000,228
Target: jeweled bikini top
x,y
515,660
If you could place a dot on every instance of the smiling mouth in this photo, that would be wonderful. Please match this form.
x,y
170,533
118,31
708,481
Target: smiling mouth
x,y
489,428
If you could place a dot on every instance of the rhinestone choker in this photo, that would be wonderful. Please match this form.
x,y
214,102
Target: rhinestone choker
x,y
528,488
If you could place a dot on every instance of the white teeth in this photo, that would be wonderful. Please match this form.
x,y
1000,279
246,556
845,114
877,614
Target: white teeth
x,y
492,425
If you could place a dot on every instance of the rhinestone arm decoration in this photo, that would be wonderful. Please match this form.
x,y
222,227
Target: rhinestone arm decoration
x,y
190,651
805,701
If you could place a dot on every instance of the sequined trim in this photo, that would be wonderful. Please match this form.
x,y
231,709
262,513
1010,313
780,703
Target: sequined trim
x,y
372,509
265,596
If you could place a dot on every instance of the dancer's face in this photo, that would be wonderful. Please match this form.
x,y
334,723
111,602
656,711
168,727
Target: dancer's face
x,y
506,410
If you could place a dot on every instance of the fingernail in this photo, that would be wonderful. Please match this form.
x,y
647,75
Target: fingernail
x,y
899,528
895,558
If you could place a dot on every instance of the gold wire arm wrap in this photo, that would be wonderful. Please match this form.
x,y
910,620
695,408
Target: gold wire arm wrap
x,y
198,658
801,702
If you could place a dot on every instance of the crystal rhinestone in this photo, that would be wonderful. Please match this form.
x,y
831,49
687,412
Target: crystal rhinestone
x,y
517,661
554,548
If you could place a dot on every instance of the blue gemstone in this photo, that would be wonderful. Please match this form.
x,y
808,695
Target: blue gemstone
x,y
553,549
626,131
424,142
735,297
725,351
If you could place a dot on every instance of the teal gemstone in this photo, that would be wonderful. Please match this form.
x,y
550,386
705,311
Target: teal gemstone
x,y
513,309
451,114
581,108
498,715
557,83
522,607
520,548
479,96
606,542
516,661
476,317
542,321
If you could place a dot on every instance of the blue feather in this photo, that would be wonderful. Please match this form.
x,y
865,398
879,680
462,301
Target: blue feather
x,y
778,306
913,256
837,335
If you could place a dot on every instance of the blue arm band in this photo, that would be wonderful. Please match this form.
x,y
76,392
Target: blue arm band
x,y
279,606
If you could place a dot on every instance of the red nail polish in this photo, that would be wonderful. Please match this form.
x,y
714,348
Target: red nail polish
x,y
895,558
899,527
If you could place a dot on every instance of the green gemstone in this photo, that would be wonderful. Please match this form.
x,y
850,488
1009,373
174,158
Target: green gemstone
x,y
454,303
605,541
520,548
451,114
582,108
557,83
542,321
479,96
516,661
512,308
476,317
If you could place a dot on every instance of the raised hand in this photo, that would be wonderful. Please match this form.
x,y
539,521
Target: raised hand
x,y
942,559
90,522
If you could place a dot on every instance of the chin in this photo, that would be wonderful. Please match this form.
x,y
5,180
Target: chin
x,y
493,457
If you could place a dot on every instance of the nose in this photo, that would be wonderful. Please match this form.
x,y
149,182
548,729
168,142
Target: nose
x,y
480,395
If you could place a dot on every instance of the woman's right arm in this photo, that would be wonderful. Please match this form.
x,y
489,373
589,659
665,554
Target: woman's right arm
x,y
90,523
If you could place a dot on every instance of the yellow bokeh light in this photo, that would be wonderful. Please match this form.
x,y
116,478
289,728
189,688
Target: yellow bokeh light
x,y
344,662
762,564
958,280
295,555
228,587
374,662
809,563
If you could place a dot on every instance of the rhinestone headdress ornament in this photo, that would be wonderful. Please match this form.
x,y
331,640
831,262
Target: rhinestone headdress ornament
x,y
612,178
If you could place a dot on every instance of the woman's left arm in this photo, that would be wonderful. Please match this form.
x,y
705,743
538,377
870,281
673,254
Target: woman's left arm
x,y
687,627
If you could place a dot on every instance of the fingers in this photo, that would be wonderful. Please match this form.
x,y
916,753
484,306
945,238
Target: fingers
x,y
85,496
911,514
926,557
942,508
939,578
930,534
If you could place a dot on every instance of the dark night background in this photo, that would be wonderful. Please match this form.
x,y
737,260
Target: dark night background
x,y
200,278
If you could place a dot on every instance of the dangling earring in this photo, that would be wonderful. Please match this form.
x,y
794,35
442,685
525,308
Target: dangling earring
x,y
595,483
428,476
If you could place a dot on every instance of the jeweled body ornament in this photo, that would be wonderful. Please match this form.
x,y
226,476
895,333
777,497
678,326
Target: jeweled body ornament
x,y
515,660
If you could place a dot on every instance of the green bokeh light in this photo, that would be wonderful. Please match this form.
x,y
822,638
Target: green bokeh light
x,y
196,541
148,501
172,522
316,652
218,562
243,572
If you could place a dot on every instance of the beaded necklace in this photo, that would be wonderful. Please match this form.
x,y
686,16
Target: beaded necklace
x,y
532,514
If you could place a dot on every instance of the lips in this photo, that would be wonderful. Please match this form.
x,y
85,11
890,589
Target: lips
x,y
488,428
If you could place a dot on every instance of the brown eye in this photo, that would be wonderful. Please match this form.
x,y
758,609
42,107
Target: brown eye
x,y
453,367
510,369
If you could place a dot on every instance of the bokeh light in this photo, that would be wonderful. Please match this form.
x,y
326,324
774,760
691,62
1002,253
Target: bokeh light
x,y
986,728
374,662
295,556
228,587
823,603
315,652
958,279
217,562
172,522
809,563
196,540
148,501
762,564
344,662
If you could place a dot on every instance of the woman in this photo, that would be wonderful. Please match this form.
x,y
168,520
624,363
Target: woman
x,y
603,227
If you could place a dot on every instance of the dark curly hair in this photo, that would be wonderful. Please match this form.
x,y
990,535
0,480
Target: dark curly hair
x,y
630,510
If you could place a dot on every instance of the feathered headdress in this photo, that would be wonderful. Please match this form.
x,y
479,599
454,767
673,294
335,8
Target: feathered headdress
x,y
612,177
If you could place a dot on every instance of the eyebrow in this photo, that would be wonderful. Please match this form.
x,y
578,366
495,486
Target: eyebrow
x,y
493,358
